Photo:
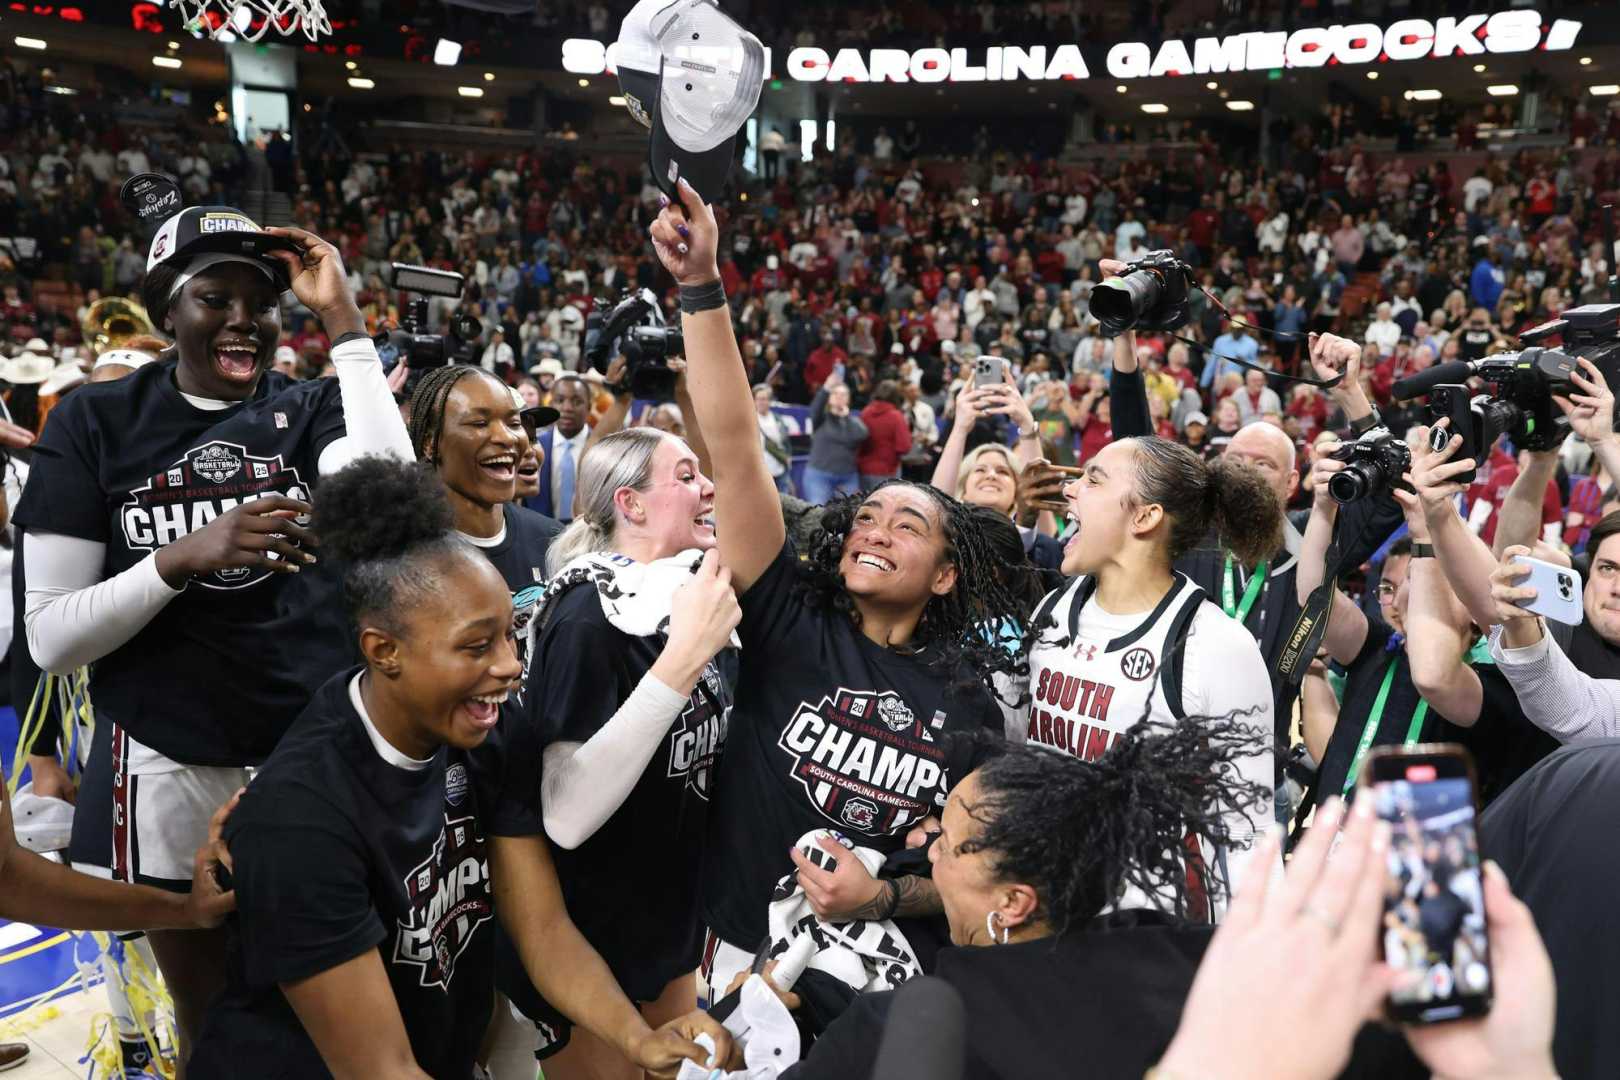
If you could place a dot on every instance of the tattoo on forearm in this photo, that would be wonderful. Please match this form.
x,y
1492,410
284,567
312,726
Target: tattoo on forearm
x,y
905,896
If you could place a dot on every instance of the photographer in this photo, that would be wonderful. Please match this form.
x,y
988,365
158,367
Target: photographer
x,y
1593,645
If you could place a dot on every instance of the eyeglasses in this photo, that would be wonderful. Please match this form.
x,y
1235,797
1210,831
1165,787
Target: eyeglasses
x,y
1386,591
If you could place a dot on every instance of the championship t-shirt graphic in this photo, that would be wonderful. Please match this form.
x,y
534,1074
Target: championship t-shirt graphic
x,y
449,894
865,759
206,482
699,734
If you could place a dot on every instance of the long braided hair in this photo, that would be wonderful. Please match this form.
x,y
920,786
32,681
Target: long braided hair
x,y
428,403
964,628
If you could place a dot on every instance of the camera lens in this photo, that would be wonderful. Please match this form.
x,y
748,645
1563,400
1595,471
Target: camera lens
x,y
1120,303
1350,483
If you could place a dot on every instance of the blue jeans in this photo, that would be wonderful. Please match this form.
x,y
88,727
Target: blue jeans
x,y
819,487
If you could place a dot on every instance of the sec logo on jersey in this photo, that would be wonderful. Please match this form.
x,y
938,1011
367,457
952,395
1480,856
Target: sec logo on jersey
x,y
1138,664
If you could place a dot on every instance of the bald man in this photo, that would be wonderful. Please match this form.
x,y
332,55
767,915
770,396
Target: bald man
x,y
1269,609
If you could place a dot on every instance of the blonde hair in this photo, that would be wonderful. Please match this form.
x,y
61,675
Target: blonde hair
x,y
966,468
621,460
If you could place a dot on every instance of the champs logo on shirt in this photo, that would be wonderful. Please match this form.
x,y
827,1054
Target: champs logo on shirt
x,y
524,603
865,760
207,481
449,894
698,736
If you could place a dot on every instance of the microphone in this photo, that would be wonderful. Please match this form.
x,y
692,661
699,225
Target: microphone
x,y
1454,371
925,1034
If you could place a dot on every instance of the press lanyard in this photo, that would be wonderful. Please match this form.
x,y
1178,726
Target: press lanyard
x,y
1377,714
1240,610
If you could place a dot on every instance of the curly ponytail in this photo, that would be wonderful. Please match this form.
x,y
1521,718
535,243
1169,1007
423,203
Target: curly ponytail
x,y
1082,832
1197,496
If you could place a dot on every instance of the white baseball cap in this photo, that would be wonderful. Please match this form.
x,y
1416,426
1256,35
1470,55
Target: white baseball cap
x,y
692,75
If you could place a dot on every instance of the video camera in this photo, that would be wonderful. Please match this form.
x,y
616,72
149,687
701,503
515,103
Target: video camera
x,y
1150,295
416,349
1523,384
635,327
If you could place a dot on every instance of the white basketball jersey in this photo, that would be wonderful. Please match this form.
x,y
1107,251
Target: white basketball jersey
x,y
1094,675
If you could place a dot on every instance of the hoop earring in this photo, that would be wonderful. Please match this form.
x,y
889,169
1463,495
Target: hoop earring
x,y
990,921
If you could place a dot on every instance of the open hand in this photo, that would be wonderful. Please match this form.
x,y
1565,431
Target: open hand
x,y
1590,412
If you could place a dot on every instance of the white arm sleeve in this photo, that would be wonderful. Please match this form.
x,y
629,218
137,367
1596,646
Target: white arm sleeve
x,y
1556,696
370,416
585,783
71,615
1231,680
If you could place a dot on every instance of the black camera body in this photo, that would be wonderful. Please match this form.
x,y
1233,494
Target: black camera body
x,y
635,327
1150,295
417,349
1374,464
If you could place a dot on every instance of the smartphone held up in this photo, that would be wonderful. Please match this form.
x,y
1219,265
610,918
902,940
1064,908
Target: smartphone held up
x,y
1434,929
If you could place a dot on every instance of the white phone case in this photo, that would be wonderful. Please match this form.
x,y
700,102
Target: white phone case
x,y
1558,590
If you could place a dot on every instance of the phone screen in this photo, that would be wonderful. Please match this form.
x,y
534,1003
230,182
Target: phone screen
x,y
1434,905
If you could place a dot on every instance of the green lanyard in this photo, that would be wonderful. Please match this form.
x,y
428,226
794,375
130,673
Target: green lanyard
x,y
1377,714
1240,611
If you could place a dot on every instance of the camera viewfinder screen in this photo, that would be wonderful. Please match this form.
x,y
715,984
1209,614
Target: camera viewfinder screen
x,y
1434,909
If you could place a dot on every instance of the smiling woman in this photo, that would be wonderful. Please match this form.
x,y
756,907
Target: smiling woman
x,y
166,537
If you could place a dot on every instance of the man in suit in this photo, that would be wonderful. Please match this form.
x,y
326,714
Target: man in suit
x,y
560,448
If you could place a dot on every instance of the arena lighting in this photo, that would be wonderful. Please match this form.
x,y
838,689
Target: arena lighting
x,y
1372,75
361,84
1212,86
1423,95
1518,31
166,61
174,44
65,90
1504,90
584,83
446,53
470,91
1155,107
616,101
1120,88
29,42
1585,61
489,76
1605,90
1479,68
350,64
1240,106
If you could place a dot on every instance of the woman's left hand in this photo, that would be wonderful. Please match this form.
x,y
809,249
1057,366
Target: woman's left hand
x,y
841,892
319,281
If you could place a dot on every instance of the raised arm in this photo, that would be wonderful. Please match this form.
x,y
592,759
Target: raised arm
x,y
1463,557
1518,520
751,532
1437,634
1347,624
694,430
614,416
950,457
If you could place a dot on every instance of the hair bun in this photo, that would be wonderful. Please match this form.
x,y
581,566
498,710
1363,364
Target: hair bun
x,y
380,508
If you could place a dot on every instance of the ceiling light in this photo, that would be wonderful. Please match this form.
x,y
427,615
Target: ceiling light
x,y
59,89
1585,60
1479,67
616,101
1155,107
1120,88
446,53
1372,75
1503,90
350,64
1605,90
489,76
29,42
361,84
174,44
166,61
470,91
584,82
1423,95
1212,86
1240,106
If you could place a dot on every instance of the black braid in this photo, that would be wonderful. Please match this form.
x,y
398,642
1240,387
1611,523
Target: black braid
x,y
1082,832
428,402
966,628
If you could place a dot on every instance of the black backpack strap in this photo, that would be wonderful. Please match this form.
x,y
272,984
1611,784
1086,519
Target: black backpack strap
x,y
1175,652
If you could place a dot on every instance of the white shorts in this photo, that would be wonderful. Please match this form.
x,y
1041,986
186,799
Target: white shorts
x,y
721,963
160,812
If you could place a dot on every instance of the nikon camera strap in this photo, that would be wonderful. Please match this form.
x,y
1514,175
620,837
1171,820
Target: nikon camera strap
x,y
1300,646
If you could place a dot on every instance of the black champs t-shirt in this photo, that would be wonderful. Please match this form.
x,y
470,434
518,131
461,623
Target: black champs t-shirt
x,y
219,674
338,851
632,887
830,730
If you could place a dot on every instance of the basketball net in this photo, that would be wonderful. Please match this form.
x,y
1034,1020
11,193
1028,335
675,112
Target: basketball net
x,y
250,19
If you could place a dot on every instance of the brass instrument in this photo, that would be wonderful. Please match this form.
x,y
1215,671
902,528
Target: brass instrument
x,y
112,321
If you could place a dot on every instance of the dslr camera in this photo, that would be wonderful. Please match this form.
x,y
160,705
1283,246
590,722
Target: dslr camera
x,y
1374,464
419,350
1150,295
635,327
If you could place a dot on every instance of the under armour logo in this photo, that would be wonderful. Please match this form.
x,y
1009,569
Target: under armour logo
x,y
1085,651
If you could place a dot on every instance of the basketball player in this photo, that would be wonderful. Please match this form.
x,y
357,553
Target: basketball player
x,y
1130,639
164,548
